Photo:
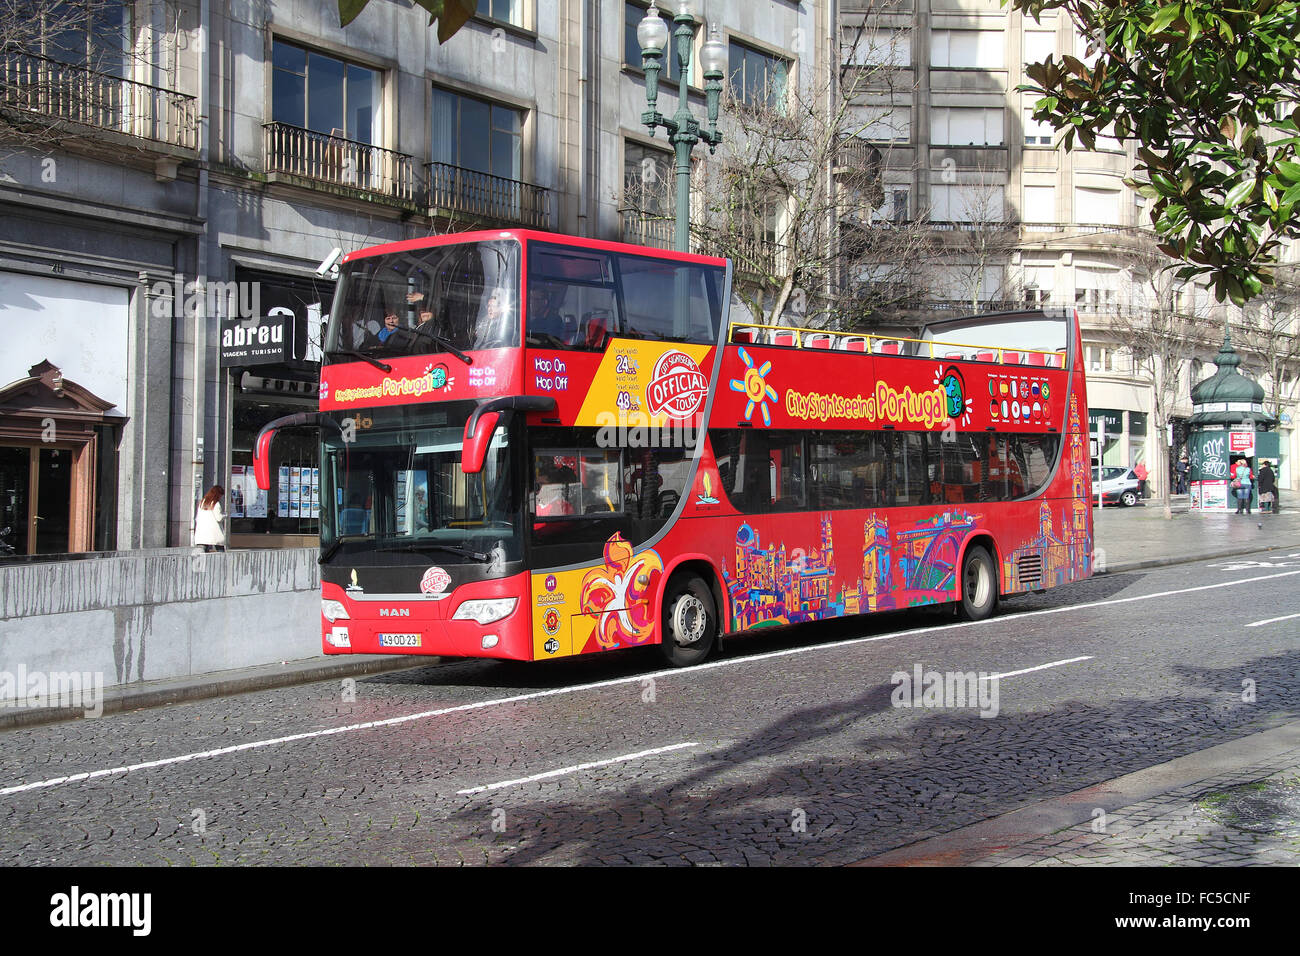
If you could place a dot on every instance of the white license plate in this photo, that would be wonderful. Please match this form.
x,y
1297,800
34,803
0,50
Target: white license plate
x,y
399,640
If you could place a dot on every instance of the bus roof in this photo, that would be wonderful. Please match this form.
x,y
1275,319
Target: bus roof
x,y
531,235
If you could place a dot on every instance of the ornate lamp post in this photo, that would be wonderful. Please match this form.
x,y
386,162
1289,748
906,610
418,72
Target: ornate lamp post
x,y
683,128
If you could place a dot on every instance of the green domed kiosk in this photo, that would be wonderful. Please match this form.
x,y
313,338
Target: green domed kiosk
x,y
1228,421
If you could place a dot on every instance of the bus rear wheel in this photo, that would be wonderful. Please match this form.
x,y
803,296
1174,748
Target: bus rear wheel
x,y
979,585
690,621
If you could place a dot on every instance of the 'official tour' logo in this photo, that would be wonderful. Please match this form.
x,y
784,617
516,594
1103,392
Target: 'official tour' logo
x,y
677,387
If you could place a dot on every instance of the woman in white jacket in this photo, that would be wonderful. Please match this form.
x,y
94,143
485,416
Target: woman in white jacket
x,y
207,521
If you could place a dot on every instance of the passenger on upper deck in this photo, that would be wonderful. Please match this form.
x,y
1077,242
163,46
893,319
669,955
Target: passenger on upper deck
x,y
544,318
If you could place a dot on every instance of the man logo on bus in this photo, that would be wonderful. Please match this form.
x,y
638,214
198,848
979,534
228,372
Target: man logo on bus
x,y
677,387
618,592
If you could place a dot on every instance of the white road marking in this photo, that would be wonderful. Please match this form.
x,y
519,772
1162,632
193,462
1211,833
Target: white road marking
x,y
1272,620
614,682
1029,670
576,767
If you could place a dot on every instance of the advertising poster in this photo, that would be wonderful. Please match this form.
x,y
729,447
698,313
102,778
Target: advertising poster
x,y
295,491
282,491
315,493
1214,495
237,491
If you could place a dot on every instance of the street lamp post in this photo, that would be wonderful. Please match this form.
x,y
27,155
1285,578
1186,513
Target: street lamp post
x,y
683,129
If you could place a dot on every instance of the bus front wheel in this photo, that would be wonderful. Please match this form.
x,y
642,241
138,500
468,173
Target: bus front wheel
x,y
690,621
979,585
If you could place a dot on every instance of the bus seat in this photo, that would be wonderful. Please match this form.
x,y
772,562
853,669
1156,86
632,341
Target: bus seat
x,y
1010,358
889,348
986,356
595,330
853,343
785,337
744,333
817,340
1037,358
955,355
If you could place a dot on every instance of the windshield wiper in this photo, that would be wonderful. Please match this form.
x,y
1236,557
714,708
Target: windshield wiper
x,y
450,548
382,366
338,543
441,343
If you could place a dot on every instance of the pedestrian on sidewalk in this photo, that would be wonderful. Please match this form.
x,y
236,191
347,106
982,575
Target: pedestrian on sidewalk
x,y
1180,471
207,521
1242,485
1267,488
1140,469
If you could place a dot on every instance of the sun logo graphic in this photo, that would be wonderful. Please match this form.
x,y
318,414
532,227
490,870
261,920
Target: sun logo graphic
x,y
618,592
754,387
954,391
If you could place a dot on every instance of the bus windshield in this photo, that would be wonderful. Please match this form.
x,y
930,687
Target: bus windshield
x,y
422,300
396,486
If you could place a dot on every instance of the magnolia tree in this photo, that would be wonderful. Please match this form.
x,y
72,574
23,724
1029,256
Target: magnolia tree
x,y
1209,91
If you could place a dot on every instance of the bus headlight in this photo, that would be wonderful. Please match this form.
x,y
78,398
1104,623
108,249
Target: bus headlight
x,y
333,610
485,612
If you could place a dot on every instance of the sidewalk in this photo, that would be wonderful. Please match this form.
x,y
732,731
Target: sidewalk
x,y
1141,537
1126,539
1236,804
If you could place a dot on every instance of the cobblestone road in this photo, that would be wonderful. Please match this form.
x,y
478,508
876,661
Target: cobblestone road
x,y
796,752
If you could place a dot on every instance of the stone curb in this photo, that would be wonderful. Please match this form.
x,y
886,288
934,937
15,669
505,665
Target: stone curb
x,y
212,685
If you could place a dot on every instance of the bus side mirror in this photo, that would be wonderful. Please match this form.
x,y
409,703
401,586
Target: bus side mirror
x,y
475,445
262,458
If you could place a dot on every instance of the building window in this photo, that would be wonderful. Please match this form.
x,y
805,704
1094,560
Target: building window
x,y
884,124
1096,206
647,179
1040,204
896,206
634,13
1039,45
326,95
1037,132
476,134
966,126
972,203
757,78
507,11
967,49
870,47
91,33
1095,289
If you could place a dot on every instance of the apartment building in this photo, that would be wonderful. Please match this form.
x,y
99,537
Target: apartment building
x,y
185,168
1020,220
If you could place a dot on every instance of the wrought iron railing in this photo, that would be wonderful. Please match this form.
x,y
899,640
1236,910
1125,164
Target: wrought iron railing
x,y
454,189
332,159
68,93
646,229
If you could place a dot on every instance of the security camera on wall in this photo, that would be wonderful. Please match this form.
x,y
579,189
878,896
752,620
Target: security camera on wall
x,y
330,264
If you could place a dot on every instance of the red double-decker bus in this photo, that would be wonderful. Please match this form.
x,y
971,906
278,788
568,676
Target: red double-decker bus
x,y
535,446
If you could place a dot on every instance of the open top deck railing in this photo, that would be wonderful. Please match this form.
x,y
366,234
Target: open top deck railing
x,y
747,333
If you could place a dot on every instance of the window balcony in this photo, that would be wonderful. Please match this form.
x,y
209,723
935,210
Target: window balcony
x,y
47,91
646,229
454,190
329,160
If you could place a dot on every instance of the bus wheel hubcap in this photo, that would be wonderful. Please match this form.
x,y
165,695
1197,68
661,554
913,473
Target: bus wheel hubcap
x,y
689,619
